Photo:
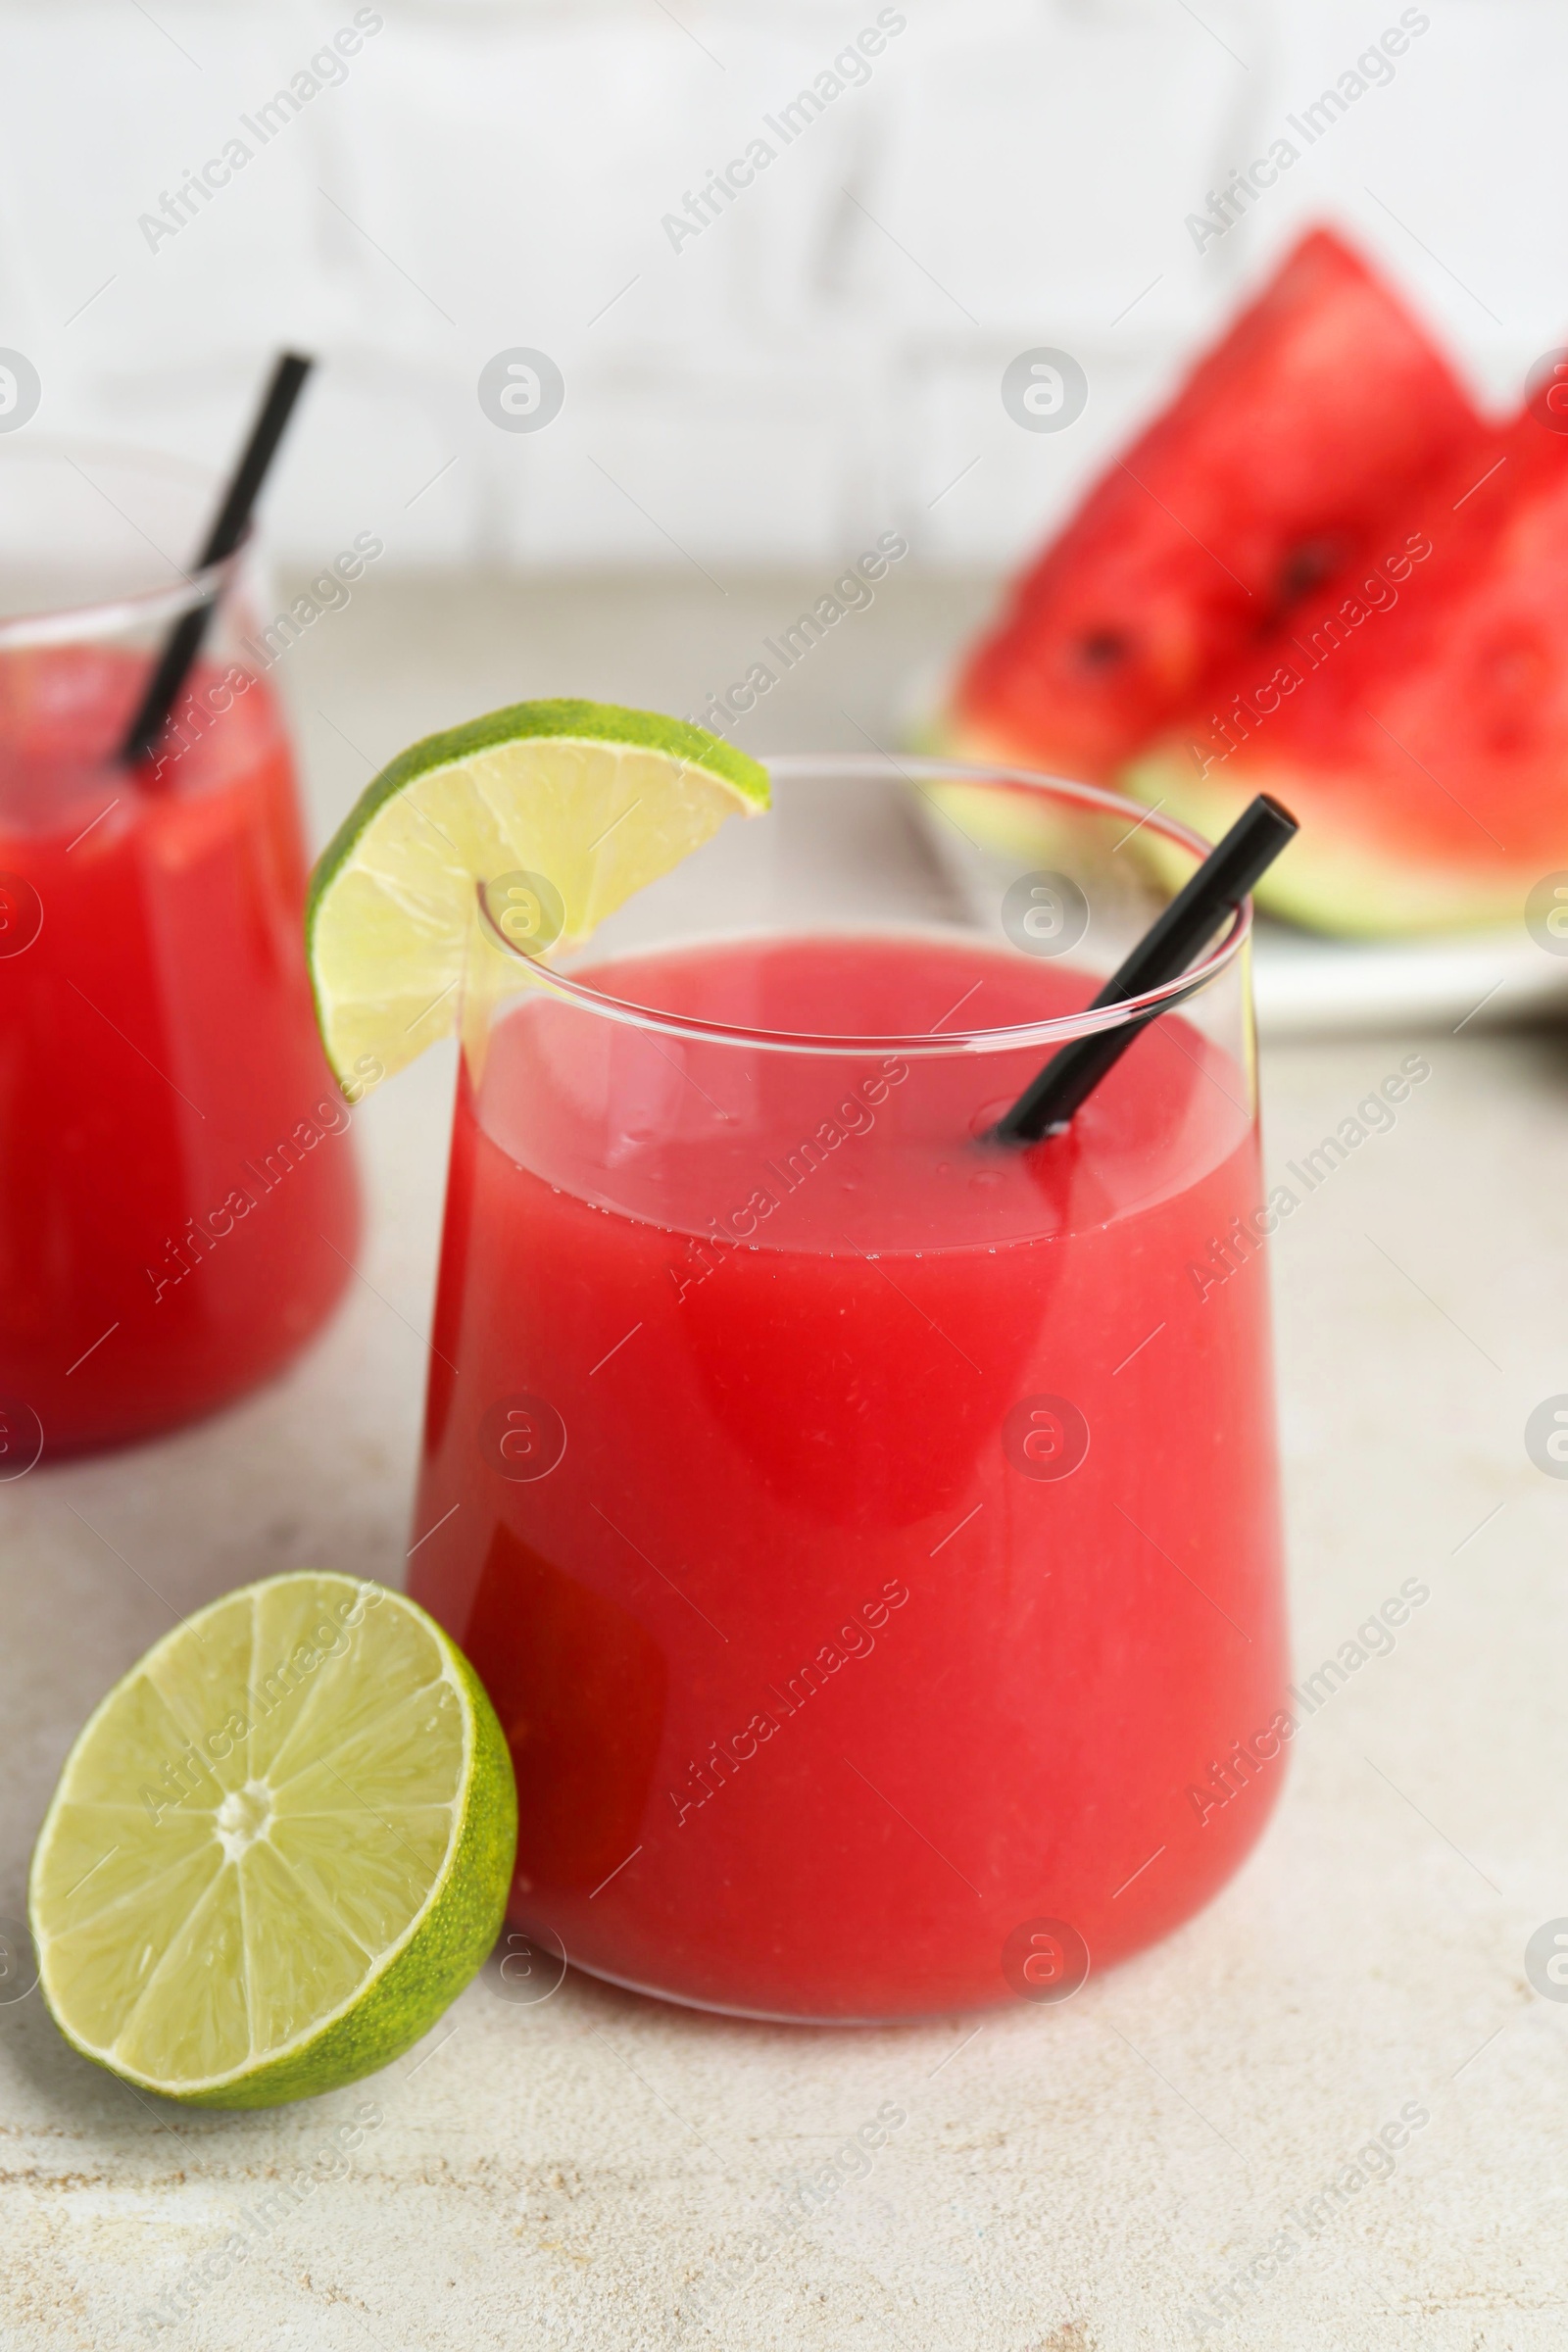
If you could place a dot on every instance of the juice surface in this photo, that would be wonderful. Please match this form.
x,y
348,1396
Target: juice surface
x,y
868,1535
177,1198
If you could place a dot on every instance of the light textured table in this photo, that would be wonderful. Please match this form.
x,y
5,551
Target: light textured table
x,y
600,2171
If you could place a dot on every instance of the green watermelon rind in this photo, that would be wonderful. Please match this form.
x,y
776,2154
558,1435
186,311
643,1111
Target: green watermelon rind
x,y
1332,880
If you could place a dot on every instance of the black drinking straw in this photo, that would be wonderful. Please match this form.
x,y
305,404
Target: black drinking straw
x,y
1046,1105
226,534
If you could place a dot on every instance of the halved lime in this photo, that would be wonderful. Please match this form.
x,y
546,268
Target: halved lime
x,y
572,805
281,1846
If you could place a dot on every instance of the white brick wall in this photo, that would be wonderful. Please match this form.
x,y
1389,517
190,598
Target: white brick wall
x,y
824,358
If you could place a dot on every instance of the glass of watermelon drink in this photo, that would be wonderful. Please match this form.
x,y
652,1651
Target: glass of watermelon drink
x,y
177,1197
867,1531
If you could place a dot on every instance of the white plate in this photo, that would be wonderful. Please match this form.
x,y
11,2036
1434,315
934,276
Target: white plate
x,y
1316,987
1311,985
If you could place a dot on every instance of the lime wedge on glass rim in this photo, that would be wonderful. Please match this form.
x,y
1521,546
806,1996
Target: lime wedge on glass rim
x,y
557,810
279,1848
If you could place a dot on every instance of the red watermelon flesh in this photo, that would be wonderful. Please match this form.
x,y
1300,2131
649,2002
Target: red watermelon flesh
x,y
1413,715
1324,399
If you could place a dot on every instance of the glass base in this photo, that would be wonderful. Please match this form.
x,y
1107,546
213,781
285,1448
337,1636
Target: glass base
x,y
773,2016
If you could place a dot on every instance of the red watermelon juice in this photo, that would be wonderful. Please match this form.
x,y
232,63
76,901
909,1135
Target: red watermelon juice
x,y
177,1199
866,1533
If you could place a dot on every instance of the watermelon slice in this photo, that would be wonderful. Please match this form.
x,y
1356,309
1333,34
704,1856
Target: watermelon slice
x,y
1324,399
1413,715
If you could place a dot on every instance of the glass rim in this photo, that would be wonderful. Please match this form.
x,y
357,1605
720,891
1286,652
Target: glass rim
x,y
1059,1029
140,608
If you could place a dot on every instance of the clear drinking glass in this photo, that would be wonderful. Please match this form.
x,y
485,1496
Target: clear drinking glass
x,y
867,1531
178,1203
